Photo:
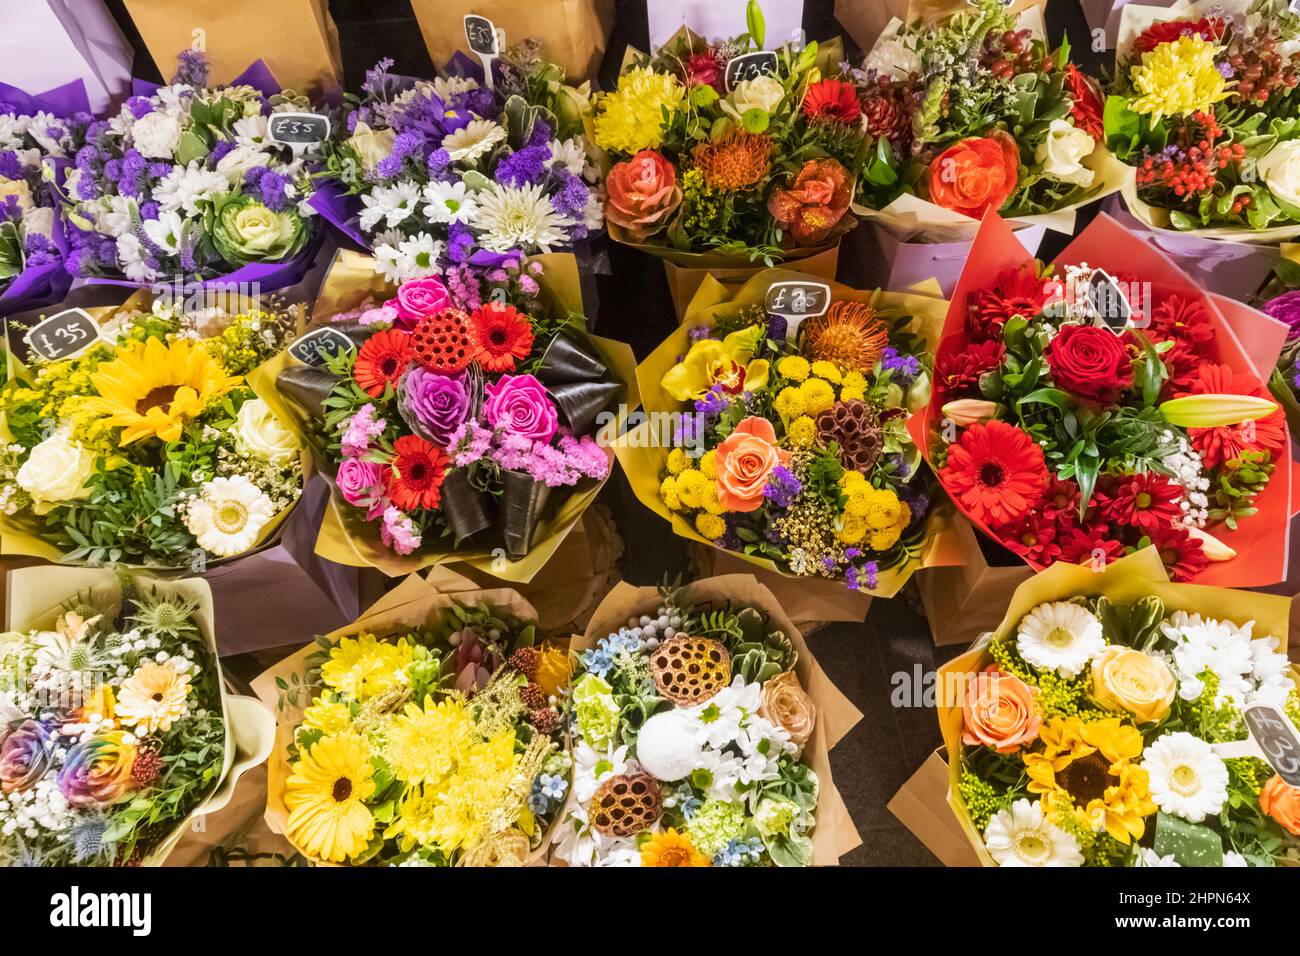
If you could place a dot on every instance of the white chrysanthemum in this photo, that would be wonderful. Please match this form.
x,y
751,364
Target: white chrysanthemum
x,y
409,259
132,261
49,131
1061,637
473,140
1150,858
228,515
894,57
156,135
520,218
449,202
1187,778
1021,836
252,131
239,161
165,231
445,87
185,187
391,205
1243,666
666,746
571,153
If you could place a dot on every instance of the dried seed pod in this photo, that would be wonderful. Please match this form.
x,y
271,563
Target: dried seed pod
x,y
689,670
855,429
625,805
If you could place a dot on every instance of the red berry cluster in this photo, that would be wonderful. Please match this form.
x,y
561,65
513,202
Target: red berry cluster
x,y
1192,169
1261,71
1009,52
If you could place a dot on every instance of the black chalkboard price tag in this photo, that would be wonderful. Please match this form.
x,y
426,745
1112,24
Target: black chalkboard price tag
x,y
795,300
318,345
749,66
1107,301
298,129
63,335
1277,739
481,35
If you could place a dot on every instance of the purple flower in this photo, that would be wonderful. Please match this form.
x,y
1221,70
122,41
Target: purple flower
x,y
777,327
460,242
715,401
919,505
1286,309
361,429
191,68
905,367
523,167
571,198
11,167
25,756
782,487
434,405
469,444
519,405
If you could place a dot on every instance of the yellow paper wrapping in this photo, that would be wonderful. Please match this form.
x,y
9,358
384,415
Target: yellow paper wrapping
x,y
35,600
1123,582
834,835
410,605
346,539
643,458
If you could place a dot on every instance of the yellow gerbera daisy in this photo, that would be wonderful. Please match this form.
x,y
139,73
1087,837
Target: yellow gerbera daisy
x,y
151,388
671,848
153,698
325,796
1087,769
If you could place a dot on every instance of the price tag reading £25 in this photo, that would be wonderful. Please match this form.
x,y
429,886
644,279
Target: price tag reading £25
x,y
318,345
796,300
64,335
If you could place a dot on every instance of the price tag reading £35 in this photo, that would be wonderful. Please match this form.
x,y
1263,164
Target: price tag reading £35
x,y
1273,738
298,130
63,335
795,300
484,41
749,66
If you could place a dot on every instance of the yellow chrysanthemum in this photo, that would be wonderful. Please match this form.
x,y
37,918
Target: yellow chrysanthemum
x,y
849,394
816,395
858,503
794,367
692,487
711,504
670,848
708,465
363,667
827,370
153,698
325,796
152,388
631,118
855,380
425,743
668,493
710,526
884,510
789,403
854,530
554,670
801,432
1086,770
677,461
327,716
1178,78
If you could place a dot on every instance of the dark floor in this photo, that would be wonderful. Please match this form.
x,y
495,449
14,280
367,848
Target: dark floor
x,y
890,743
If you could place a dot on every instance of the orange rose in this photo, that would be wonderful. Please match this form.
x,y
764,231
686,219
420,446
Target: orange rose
x,y
998,711
642,195
1281,801
814,203
744,460
785,703
976,174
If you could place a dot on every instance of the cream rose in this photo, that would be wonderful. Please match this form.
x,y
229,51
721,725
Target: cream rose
x,y
156,135
761,93
786,704
1062,154
56,471
1125,679
262,434
1280,170
371,145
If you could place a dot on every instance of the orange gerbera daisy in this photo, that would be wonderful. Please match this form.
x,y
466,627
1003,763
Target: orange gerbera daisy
x,y
382,361
415,478
1226,442
995,473
503,335
671,848
736,161
832,99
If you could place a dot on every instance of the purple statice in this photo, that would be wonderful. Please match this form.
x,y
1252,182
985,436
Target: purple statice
x,y
460,242
11,167
901,468
469,443
378,80
919,505
782,487
777,327
524,167
541,135
570,199
360,430
89,161
129,173
89,253
904,367
399,532
191,68
479,101
40,251
10,210
714,403
219,152
698,332
406,145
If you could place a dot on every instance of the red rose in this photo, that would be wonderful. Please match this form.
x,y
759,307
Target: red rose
x,y
957,374
1090,362
1085,102
976,174
642,195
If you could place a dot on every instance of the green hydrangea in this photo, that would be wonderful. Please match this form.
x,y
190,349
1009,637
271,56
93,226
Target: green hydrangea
x,y
715,824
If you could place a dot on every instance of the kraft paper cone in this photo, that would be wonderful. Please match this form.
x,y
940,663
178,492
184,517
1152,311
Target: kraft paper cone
x,y
835,834
921,805
297,38
965,598
1123,582
35,600
685,281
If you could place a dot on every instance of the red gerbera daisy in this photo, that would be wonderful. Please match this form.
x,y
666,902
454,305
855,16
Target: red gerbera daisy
x,y
1217,445
1146,501
1182,319
1017,292
1183,556
958,373
414,479
1085,102
832,99
504,336
1091,545
382,360
1207,28
1034,539
995,472
1183,364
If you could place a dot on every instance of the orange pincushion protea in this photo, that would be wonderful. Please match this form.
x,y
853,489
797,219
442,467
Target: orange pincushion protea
x,y
849,334
734,162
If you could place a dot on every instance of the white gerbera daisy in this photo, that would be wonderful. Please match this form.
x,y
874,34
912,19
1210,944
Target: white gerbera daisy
x,y
1061,637
228,515
449,202
1021,836
445,87
476,138
1188,778
1150,858
391,205
520,218
409,259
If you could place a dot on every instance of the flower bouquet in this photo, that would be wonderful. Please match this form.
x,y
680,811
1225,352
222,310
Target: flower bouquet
x,y
185,182
426,733
439,173
1102,725
1203,106
37,133
115,730
1090,408
1280,299
460,423
792,451
701,731
977,113
148,447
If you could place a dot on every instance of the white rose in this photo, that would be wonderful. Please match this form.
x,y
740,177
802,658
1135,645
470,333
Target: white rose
x,y
56,471
262,434
761,93
371,145
156,135
1062,154
1280,170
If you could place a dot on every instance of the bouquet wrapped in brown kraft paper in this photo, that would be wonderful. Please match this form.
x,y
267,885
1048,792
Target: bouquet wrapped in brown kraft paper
x,y
440,714
1115,718
457,415
865,20
297,39
702,731
781,440
115,718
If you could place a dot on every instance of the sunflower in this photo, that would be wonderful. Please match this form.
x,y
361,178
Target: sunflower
x,y
995,473
382,360
151,388
503,336
1087,770
153,698
849,334
325,796
415,479
671,848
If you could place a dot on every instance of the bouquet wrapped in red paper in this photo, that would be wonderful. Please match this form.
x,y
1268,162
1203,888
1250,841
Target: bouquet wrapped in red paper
x,y
1088,408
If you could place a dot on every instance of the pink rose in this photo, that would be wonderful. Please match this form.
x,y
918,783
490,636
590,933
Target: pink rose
x,y
418,298
519,405
359,482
